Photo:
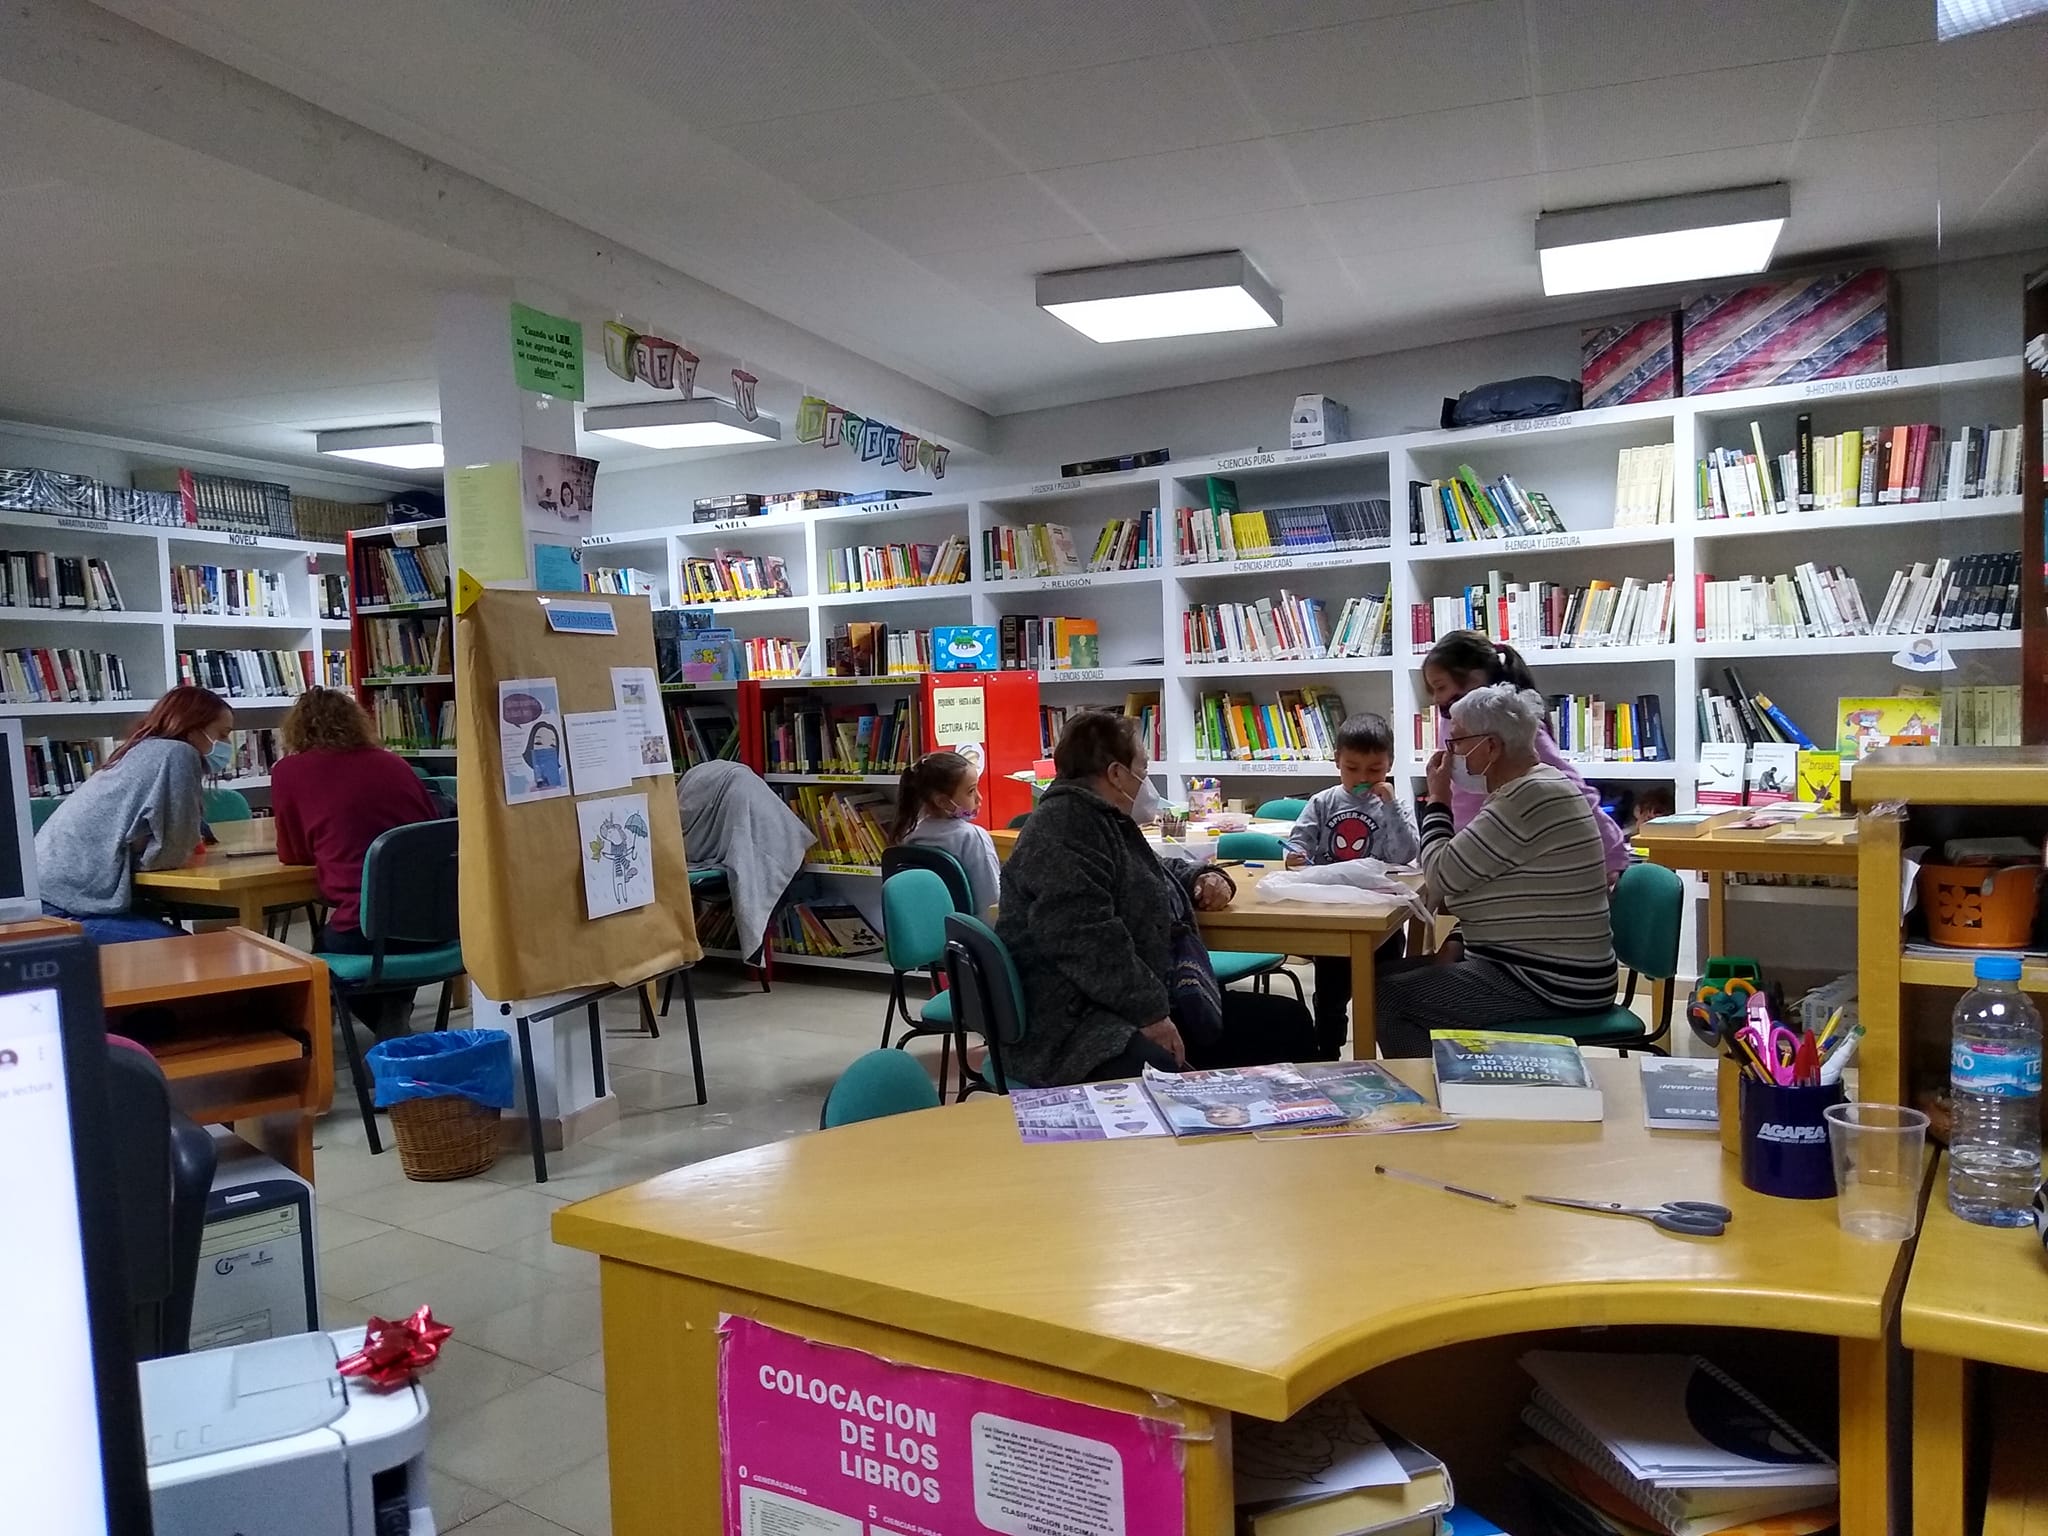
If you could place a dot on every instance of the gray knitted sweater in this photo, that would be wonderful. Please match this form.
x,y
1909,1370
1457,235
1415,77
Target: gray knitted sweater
x,y
142,813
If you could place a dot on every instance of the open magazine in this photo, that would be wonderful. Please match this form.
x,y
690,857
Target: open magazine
x,y
1372,1098
1238,1099
1330,1098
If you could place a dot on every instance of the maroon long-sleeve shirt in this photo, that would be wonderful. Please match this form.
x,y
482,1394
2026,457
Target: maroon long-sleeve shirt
x,y
330,806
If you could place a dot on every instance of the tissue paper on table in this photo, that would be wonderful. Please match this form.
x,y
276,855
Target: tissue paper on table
x,y
1357,883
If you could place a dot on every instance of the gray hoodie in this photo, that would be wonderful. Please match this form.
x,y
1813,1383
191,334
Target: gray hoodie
x,y
143,812
1337,826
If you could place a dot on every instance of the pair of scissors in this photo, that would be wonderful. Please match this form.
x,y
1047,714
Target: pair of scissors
x,y
1687,1218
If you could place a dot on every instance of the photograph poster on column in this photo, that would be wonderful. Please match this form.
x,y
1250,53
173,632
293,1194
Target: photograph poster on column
x,y
530,740
618,864
636,694
559,491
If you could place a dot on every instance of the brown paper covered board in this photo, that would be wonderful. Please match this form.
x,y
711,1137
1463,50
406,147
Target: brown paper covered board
x,y
524,932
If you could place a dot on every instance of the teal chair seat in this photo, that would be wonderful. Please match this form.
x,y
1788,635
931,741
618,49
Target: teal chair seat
x,y
937,1010
1287,808
400,970
1646,909
1242,964
41,809
876,1085
225,805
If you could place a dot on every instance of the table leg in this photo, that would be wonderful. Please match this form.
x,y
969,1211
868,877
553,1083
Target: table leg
x,y
249,912
1717,914
1941,1439
1864,1375
1364,1035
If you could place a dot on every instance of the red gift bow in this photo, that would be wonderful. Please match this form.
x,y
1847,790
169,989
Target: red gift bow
x,y
393,1352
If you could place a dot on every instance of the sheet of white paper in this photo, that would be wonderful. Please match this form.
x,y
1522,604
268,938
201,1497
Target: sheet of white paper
x,y
618,854
600,758
636,692
531,751
1328,1447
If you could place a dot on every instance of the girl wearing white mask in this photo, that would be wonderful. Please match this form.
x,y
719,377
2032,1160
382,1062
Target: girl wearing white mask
x,y
936,803
1525,878
1103,933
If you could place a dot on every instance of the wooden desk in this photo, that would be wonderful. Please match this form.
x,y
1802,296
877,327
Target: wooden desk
x,y
1976,1294
243,873
1005,838
250,1043
1235,1275
1717,854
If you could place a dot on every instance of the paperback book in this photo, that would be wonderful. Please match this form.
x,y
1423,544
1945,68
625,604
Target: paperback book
x,y
1373,1099
1085,1112
1485,1075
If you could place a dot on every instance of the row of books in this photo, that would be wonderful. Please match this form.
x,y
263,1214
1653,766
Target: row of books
x,y
1144,708
1048,549
864,648
1587,728
256,753
1286,628
879,567
1738,715
389,573
1300,723
1869,467
1984,715
229,591
806,735
1977,593
35,578
46,674
731,576
398,647
622,581
1460,510
1209,535
774,655
1048,642
1643,494
58,767
250,674
850,825
701,732
406,722
330,592
826,930
1548,614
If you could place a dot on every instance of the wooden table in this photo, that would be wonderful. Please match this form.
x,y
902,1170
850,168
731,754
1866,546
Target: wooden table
x,y
1975,1295
243,873
1005,838
250,1042
1717,853
1191,1281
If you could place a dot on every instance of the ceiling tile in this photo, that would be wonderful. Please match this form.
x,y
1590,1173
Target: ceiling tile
x,y
1666,176
1004,273
1888,23
1286,244
1237,21
1875,88
954,45
1442,279
884,146
1112,111
1469,54
1435,216
1832,205
1221,181
1981,159
962,216
1582,43
1400,154
2003,70
1653,118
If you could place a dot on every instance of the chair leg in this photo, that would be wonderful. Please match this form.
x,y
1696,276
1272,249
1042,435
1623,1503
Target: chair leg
x,y
945,1064
668,992
896,1001
767,961
535,1141
358,1069
596,1050
647,1013
690,1023
447,1002
1295,982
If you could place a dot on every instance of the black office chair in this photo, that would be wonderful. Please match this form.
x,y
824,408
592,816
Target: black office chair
x,y
988,999
163,1164
939,862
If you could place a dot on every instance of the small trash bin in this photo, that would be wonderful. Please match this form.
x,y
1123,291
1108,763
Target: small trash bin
x,y
444,1091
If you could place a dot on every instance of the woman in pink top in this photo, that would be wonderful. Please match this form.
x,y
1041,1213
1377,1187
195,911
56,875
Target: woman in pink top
x,y
1465,659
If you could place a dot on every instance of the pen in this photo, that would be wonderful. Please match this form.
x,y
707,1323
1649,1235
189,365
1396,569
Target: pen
x,y
1831,1070
1449,1189
1806,1063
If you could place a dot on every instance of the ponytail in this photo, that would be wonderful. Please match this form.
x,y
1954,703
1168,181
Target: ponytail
x,y
1464,653
934,774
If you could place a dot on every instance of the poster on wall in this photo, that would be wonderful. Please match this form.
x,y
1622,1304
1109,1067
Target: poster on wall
x,y
530,740
558,491
838,1442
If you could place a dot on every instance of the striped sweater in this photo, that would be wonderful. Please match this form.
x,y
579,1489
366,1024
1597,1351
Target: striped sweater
x,y
1527,881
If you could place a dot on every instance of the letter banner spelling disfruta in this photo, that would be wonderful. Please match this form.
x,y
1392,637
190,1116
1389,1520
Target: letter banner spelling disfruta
x,y
826,1441
819,421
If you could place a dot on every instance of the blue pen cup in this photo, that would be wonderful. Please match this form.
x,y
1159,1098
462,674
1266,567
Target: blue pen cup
x,y
1785,1140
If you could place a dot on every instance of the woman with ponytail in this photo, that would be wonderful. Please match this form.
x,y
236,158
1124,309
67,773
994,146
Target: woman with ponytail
x,y
936,803
1465,660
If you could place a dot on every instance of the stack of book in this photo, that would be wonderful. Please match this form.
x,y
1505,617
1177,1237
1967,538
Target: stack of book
x,y
388,574
1543,614
1586,728
337,669
330,591
1984,716
1141,706
398,647
701,732
1642,486
1460,509
1040,642
1745,717
805,735
407,723
248,674
1331,1471
62,675
1286,628
832,930
229,592
59,767
36,578
849,824
775,655
622,582
867,649
879,567
1299,724
1220,534
729,576
1037,549
1870,467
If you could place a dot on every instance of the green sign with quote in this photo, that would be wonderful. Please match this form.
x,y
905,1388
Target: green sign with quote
x,y
547,353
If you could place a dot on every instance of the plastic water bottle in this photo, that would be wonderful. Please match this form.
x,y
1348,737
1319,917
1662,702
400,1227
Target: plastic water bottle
x,y
1994,1070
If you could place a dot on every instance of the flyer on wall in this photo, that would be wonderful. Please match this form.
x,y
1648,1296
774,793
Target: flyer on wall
x,y
530,740
558,491
826,1441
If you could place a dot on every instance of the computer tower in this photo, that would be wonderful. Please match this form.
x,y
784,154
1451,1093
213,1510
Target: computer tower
x,y
258,1259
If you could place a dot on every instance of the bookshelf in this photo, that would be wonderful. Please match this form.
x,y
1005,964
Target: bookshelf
x,y
402,637
2034,516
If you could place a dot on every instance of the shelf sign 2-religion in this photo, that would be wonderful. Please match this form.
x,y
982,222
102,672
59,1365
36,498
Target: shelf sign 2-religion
x,y
830,426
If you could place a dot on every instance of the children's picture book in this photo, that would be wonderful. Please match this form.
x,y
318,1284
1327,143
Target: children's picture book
x,y
1820,779
1238,1099
1485,1075
964,648
1085,1112
1679,1093
1908,720
1372,1098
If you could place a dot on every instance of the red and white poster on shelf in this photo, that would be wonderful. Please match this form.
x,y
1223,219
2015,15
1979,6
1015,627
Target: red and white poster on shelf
x,y
817,1440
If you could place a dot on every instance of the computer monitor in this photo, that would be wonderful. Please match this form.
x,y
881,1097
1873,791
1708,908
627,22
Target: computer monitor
x,y
19,898
72,1457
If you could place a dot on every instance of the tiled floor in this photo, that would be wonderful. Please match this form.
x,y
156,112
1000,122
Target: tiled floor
x,y
517,1445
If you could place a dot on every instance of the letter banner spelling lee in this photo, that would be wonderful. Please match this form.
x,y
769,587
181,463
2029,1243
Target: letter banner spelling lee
x,y
836,1442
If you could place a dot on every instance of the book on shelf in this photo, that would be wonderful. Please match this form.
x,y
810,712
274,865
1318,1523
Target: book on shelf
x,y
1738,715
1584,727
1487,1075
330,589
57,767
1048,642
1461,510
775,656
389,573
1866,467
1142,707
1210,535
62,675
38,579
1548,614
1974,593
229,592
1331,1471
1904,720
248,674
406,722
337,669
1036,549
864,648
849,824
1299,724
622,581
399,646
810,735
732,576
701,733
691,646
834,930
884,567
1643,492
1285,628
1127,543
256,752
1981,715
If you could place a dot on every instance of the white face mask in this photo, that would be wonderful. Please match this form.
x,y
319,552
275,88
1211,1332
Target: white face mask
x,y
1465,777
1144,807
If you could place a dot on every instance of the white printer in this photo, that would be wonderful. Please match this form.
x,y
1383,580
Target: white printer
x,y
269,1439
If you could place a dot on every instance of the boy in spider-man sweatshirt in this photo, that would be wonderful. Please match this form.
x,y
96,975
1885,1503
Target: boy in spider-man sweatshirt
x,y
1357,818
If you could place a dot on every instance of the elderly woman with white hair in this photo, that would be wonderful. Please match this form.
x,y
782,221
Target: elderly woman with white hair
x,y
1526,879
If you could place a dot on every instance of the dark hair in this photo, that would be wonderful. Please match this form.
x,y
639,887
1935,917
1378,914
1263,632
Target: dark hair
x,y
1093,740
327,717
1465,651
175,716
1365,733
934,774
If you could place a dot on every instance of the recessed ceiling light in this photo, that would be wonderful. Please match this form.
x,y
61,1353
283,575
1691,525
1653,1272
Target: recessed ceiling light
x,y
1179,296
1959,18
705,422
1661,239
416,445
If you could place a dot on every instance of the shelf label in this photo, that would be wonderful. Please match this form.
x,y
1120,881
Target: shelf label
x,y
1247,461
1056,583
599,540
85,524
1078,674
840,778
729,524
1303,455
1072,483
242,538
872,506
1532,424
1542,541
1862,383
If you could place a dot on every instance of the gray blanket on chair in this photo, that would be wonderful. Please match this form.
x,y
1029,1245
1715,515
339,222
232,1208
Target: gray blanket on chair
x,y
734,822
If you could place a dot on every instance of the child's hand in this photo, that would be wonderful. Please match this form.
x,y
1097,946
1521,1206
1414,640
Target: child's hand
x,y
1296,859
1385,790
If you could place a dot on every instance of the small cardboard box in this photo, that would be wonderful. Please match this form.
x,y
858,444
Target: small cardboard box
x,y
1792,332
1625,361
1317,422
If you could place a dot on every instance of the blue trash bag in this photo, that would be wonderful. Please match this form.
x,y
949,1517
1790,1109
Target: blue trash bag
x,y
473,1064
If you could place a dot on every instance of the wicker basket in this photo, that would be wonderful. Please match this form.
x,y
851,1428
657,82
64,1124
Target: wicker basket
x,y
450,1138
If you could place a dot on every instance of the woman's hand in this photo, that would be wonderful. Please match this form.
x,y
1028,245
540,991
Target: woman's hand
x,y
1167,1038
1438,772
1212,891
1295,858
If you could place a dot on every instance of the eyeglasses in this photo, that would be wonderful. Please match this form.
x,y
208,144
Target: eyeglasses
x,y
1451,741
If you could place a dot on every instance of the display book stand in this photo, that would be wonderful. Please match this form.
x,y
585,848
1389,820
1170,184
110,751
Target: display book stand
x,y
524,932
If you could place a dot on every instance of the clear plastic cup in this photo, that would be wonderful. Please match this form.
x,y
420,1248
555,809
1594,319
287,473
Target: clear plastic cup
x,y
1879,1152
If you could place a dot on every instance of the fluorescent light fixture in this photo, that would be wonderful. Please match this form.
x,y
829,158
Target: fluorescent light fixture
x,y
416,445
705,422
1959,18
1661,239
1178,296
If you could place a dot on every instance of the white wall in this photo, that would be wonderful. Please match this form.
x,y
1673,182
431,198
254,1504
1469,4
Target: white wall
x,y
1947,313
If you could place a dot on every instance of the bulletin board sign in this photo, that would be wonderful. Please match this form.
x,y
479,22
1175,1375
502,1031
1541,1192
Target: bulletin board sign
x,y
828,1441
573,871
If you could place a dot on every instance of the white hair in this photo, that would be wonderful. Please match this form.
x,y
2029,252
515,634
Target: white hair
x,y
1513,714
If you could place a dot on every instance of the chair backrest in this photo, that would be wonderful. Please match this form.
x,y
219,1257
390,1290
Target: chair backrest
x,y
915,906
1018,820
41,809
225,805
877,1084
988,997
1250,845
939,862
1286,808
1646,909
164,1166
410,887
445,783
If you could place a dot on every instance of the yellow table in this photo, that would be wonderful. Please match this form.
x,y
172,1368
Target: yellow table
x,y
243,873
1717,853
1976,1294
1189,1282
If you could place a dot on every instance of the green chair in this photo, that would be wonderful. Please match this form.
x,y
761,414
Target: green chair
x,y
980,972
41,809
915,906
1018,820
1646,909
1249,965
1284,809
445,783
225,805
876,1085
